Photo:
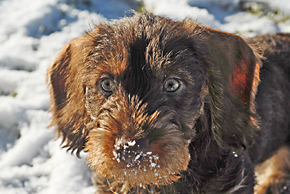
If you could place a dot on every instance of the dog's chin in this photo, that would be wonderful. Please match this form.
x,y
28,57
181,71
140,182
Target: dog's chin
x,y
121,160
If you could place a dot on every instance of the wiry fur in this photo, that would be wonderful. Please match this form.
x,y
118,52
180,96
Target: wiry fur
x,y
204,137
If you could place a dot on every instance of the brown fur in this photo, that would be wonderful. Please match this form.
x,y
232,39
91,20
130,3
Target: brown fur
x,y
273,171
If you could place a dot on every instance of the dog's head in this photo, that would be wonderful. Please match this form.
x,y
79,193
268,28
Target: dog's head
x,y
130,92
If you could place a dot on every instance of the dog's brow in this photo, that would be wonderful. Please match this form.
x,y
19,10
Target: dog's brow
x,y
120,68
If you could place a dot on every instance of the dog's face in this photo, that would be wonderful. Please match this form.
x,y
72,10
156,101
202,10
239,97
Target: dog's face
x,y
130,93
143,95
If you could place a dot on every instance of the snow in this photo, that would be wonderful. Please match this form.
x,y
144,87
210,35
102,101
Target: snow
x,y
31,34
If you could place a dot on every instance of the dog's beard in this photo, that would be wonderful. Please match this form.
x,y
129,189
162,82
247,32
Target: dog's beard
x,y
128,146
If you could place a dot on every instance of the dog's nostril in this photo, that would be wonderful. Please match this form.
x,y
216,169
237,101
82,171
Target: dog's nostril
x,y
142,144
132,152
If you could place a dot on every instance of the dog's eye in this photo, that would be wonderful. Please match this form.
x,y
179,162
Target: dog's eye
x,y
107,85
171,85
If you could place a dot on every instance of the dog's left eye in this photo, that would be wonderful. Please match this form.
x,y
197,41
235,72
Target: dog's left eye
x,y
171,85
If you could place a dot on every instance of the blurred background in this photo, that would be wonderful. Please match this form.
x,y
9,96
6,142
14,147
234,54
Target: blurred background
x,y
31,34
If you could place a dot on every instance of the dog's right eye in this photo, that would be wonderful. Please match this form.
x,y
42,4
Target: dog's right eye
x,y
171,85
107,84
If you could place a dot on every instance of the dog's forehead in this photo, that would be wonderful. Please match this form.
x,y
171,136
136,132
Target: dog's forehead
x,y
149,48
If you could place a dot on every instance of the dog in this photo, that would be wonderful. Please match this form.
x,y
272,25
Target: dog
x,y
164,106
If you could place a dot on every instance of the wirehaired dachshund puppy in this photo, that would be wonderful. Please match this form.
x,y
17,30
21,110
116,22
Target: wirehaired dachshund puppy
x,y
163,106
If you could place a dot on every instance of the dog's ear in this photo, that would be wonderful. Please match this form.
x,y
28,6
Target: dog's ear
x,y
67,98
232,73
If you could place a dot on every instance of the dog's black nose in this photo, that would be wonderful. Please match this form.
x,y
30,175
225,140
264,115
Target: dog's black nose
x,y
132,153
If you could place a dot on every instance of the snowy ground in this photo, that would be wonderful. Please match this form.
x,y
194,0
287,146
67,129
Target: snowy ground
x,y
32,32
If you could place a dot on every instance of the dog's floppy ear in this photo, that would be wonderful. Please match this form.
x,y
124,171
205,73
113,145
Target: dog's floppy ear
x,y
67,94
232,73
